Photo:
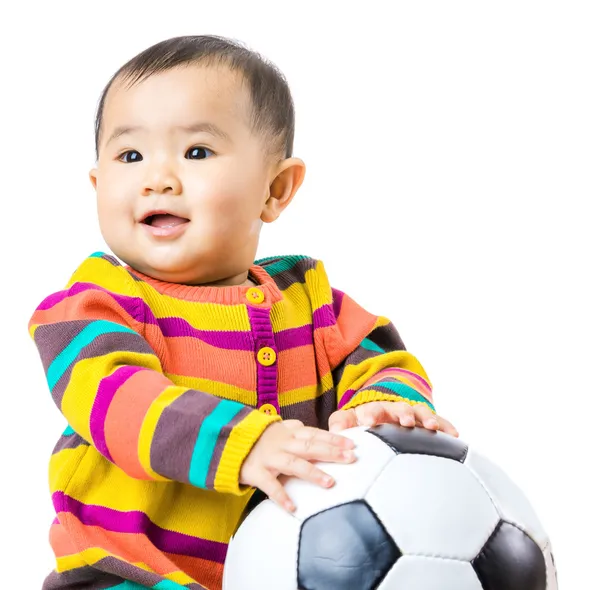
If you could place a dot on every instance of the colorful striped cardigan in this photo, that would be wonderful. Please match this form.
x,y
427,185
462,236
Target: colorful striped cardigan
x,y
166,387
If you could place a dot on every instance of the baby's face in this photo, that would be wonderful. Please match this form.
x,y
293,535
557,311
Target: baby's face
x,y
182,180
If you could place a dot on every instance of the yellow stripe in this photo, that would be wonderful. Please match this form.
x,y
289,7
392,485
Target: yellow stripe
x,y
81,391
62,464
368,395
318,286
304,394
222,390
69,562
102,273
98,482
356,375
167,397
202,316
241,439
293,310
381,321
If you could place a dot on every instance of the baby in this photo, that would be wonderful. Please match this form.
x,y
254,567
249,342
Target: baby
x,y
189,373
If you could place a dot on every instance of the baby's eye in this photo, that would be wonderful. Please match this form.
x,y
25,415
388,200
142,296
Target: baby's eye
x,y
134,157
198,153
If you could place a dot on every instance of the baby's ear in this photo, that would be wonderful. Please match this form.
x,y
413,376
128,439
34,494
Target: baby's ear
x,y
94,177
288,178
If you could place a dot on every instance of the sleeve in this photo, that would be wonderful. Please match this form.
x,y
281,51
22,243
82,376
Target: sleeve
x,y
370,360
110,386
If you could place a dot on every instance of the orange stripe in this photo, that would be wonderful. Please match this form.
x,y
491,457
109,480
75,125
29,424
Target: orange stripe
x,y
134,548
130,547
87,305
207,573
61,543
296,368
353,324
194,358
125,417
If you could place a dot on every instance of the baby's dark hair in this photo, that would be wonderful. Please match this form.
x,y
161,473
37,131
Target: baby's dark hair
x,y
272,104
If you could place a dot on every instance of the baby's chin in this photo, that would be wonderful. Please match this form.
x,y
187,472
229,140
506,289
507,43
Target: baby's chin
x,y
171,267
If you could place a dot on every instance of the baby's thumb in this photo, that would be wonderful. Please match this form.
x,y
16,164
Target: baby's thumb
x,y
341,420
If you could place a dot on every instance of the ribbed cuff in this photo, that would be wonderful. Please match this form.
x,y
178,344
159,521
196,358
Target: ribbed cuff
x,y
240,442
369,395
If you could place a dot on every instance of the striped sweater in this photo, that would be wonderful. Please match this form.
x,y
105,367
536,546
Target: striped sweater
x,y
166,387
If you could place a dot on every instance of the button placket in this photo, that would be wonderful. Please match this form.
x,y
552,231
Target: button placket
x,y
266,357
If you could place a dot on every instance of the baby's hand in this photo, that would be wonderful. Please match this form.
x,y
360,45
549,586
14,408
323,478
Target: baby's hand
x,y
373,413
288,448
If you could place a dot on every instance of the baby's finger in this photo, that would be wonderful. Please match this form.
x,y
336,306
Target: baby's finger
x,y
447,427
308,433
426,417
404,413
290,464
315,449
269,484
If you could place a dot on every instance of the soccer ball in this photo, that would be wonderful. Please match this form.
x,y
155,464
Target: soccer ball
x,y
418,510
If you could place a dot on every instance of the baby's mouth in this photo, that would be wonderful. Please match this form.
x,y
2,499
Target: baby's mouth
x,y
164,220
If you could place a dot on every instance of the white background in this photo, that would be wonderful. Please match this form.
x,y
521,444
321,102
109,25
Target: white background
x,y
452,153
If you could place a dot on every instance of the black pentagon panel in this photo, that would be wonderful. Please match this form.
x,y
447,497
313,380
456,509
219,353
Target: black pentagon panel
x,y
510,560
344,547
419,441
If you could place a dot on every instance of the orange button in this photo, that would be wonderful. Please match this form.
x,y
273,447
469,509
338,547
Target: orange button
x,y
255,295
266,356
269,409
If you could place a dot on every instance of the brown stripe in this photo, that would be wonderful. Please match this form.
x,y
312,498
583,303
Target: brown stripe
x,y
72,441
221,440
387,337
118,567
83,577
110,259
52,339
313,412
295,274
102,345
180,421
354,358
135,277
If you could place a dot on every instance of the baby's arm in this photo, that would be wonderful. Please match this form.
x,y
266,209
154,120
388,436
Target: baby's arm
x,y
109,384
378,381
371,361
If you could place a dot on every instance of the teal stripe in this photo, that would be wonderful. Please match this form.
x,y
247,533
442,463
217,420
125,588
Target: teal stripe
x,y
128,585
63,361
370,345
403,390
68,431
168,585
207,440
97,255
281,266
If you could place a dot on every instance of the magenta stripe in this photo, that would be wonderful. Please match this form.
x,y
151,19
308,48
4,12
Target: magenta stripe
x,y
397,370
338,297
134,306
230,340
293,337
106,391
136,522
346,397
324,316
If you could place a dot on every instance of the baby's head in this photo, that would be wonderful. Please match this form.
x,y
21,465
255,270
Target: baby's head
x,y
194,142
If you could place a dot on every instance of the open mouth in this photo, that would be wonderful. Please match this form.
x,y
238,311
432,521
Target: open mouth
x,y
164,220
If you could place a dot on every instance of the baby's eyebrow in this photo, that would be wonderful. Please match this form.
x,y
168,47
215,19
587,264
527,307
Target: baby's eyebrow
x,y
203,127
